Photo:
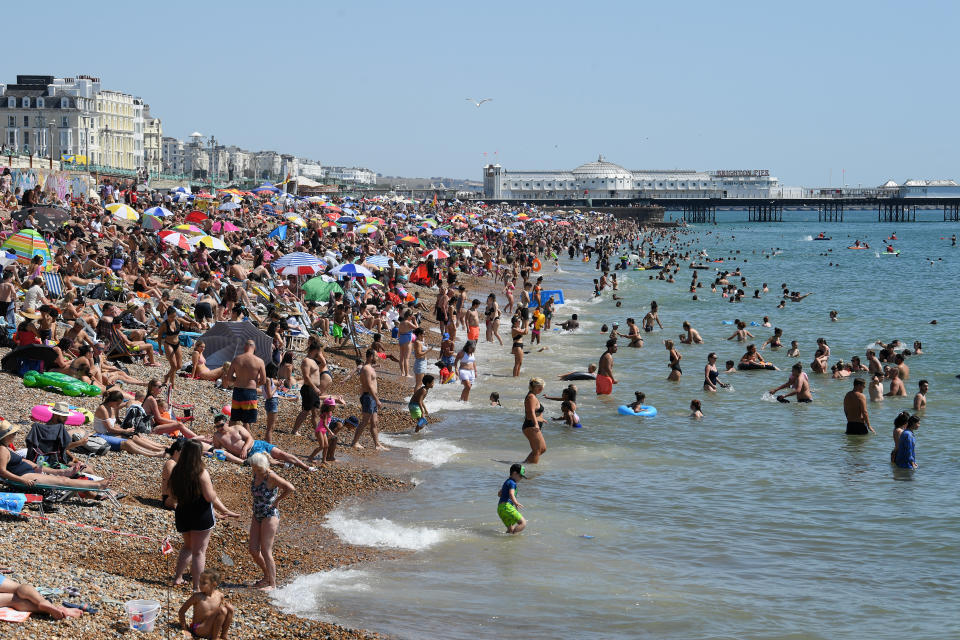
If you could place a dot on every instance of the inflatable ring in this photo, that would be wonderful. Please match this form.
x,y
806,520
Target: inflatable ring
x,y
646,411
536,265
78,415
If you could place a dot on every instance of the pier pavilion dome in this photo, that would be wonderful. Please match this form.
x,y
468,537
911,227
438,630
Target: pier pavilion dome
x,y
601,170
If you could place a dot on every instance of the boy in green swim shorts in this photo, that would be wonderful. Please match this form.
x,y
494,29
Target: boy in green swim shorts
x,y
418,410
508,507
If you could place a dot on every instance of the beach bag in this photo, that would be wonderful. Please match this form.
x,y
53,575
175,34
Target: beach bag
x,y
94,446
29,365
138,420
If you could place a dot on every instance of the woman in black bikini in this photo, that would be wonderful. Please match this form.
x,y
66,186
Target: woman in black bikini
x,y
517,333
533,421
170,340
196,498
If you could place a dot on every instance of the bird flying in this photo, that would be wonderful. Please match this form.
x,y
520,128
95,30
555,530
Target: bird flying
x,y
480,102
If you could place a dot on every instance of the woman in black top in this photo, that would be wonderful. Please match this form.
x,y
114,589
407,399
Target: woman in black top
x,y
169,336
196,500
533,421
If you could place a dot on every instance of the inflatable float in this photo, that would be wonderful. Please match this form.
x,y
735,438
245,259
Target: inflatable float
x,y
646,411
68,385
823,238
78,415
857,248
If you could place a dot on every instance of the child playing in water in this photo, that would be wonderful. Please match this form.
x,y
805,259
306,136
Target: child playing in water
x,y
212,614
794,350
495,399
638,403
569,415
696,414
508,506
418,410
539,320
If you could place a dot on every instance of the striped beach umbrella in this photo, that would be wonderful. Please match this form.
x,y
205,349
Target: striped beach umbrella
x,y
122,211
160,212
438,254
174,239
210,242
188,229
26,244
351,270
296,259
302,269
378,261
151,222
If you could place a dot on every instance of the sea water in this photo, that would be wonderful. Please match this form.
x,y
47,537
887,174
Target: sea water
x,y
763,520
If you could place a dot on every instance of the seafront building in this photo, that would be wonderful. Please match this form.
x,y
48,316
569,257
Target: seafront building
x,y
608,181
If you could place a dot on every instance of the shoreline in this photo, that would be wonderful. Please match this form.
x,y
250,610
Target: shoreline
x,y
110,568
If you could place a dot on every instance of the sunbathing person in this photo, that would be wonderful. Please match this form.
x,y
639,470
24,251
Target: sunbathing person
x,y
200,369
105,424
16,469
24,597
236,440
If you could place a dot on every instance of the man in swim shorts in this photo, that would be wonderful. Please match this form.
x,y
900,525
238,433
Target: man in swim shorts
x,y
247,372
237,441
855,409
473,321
369,403
507,507
605,379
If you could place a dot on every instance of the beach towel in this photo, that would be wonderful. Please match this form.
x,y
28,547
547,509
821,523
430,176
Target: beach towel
x,y
12,615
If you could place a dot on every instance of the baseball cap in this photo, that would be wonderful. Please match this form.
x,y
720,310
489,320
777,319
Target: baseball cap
x,y
446,336
518,468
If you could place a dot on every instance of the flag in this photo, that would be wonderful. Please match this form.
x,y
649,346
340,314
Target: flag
x,y
434,199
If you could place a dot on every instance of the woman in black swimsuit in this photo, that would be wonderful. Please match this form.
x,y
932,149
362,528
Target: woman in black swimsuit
x,y
675,356
533,421
517,333
196,499
711,377
170,340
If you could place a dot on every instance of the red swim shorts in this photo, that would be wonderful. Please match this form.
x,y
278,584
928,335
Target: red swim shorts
x,y
604,385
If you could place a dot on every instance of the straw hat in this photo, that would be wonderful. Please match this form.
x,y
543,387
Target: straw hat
x,y
61,409
7,429
31,315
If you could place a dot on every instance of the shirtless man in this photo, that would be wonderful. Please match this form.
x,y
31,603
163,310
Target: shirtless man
x,y
605,379
876,388
799,382
472,317
920,400
902,366
247,372
310,390
633,334
238,442
369,402
873,363
896,384
692,336
855,409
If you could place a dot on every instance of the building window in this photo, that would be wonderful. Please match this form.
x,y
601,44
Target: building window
x,y
12,138
40,103
11,121
26,103
64,103
26,121
64,122
11,103
26,138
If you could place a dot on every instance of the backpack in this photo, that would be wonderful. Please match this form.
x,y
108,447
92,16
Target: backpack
x,y
137,419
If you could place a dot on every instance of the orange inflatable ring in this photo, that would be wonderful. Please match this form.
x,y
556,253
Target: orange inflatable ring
x,y
536,265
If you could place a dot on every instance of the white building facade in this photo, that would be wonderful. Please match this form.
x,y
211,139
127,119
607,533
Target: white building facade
x,y
358,175
608,181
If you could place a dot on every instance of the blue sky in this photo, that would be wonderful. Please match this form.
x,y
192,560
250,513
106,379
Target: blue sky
x,y
805,89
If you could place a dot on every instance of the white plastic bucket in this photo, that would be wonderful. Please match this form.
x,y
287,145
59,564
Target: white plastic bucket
x,y
143,614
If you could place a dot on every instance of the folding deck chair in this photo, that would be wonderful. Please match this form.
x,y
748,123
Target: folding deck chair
x,y
54,284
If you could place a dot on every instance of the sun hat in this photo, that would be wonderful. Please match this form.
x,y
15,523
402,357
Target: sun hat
x,y
329,401
61,409
31,315
7,429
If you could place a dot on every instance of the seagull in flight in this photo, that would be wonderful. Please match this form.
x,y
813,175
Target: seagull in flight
x,y
480,102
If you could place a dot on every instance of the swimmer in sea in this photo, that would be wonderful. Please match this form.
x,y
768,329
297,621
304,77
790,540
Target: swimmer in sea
x,y
695,411
605,379
794,351
633,334
834,316
730,366
711,378
571,324
819,364
855,410
569,416
896,384
920,400
800,384
766,322
508,506
639,398
773,341
495,399
876,388
692,336
675,371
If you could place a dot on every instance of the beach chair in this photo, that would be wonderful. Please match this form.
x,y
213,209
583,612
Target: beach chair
x,y
53,494
54,284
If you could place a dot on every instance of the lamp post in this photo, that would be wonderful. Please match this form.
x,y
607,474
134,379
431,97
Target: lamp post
x,y
50,125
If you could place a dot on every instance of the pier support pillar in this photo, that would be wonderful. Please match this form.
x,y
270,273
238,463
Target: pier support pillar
x,y
830,212
951,212
896,212
768,212
699,213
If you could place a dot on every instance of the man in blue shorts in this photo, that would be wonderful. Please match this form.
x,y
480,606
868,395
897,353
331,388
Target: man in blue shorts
x,y
237,440
508,506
